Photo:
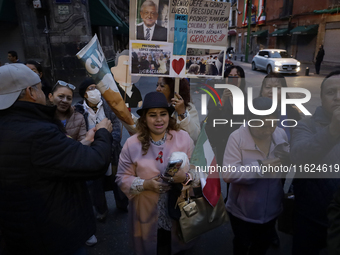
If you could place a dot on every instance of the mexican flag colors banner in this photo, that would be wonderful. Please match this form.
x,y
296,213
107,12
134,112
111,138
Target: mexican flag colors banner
x,y
203,157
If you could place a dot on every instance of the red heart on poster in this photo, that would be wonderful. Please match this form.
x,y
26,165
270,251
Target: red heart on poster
x,y
178,65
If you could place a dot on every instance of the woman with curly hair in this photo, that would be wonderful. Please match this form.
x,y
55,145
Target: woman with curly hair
x,y
142,163
185,112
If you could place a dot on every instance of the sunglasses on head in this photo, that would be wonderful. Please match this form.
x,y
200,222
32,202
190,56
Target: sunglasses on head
x,y
65,84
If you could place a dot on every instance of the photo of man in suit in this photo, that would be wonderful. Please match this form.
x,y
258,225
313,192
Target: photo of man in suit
x,y
149,30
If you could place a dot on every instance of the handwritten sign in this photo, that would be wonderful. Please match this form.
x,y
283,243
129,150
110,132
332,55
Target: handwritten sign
x,y
207,21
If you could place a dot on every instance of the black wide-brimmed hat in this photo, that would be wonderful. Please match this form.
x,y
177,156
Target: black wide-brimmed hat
x,y
155,100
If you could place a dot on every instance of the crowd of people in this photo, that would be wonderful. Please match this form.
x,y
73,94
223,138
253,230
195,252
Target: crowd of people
x,y
55,159
150,63
203,65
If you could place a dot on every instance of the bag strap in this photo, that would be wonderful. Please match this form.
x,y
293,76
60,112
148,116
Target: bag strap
x,y
213,214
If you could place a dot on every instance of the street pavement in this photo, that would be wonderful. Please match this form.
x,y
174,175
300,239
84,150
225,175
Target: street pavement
x,y
113,236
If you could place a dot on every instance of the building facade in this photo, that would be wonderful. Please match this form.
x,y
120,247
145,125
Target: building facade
x,y
53,31
298,26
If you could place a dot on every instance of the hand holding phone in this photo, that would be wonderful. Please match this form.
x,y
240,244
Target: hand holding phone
x,y
173,167
173,173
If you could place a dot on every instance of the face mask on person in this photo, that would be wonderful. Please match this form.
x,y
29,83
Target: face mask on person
x,y
93,96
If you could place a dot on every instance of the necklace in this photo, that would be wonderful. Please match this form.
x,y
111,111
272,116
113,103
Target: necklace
x,y
160,142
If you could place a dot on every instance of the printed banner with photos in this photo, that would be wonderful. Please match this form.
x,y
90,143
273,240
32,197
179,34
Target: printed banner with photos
x,y
205,61
150,58
161,32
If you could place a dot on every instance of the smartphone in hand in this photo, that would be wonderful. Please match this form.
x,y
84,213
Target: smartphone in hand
x,y
173,167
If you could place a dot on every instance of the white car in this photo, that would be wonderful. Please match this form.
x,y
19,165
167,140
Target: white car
x,y
275,60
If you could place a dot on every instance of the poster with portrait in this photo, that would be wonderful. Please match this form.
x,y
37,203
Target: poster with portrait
x,y
151,20
150,58
204,61
179,23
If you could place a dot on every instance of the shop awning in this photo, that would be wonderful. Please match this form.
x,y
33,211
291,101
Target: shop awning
x,y
8,12
334,10
101,15
305,30
260,33
231,32
280,32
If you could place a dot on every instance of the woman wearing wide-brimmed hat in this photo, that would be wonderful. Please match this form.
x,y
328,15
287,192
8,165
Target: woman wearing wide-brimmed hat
x,y
143,159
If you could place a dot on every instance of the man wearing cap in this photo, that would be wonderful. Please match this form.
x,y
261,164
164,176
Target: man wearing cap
x,y
44,201
94,108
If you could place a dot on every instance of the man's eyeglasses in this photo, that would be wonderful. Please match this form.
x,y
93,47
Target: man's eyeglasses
x,y
65,84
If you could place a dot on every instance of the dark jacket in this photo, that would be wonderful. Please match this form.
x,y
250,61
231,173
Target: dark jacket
x,y
334,225
218,135
291,113
46,87
135,98
312,143
320,55
143,64
159,34
116,130
45,207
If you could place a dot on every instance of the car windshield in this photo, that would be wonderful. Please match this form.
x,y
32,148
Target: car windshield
x,y
279,54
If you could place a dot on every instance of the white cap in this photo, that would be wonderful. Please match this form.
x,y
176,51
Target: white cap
x,y
13,79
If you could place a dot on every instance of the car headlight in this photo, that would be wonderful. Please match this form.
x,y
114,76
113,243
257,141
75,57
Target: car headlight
x,y
298,63
278,63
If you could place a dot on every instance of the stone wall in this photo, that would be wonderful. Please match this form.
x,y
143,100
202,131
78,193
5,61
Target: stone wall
x,y
53,35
